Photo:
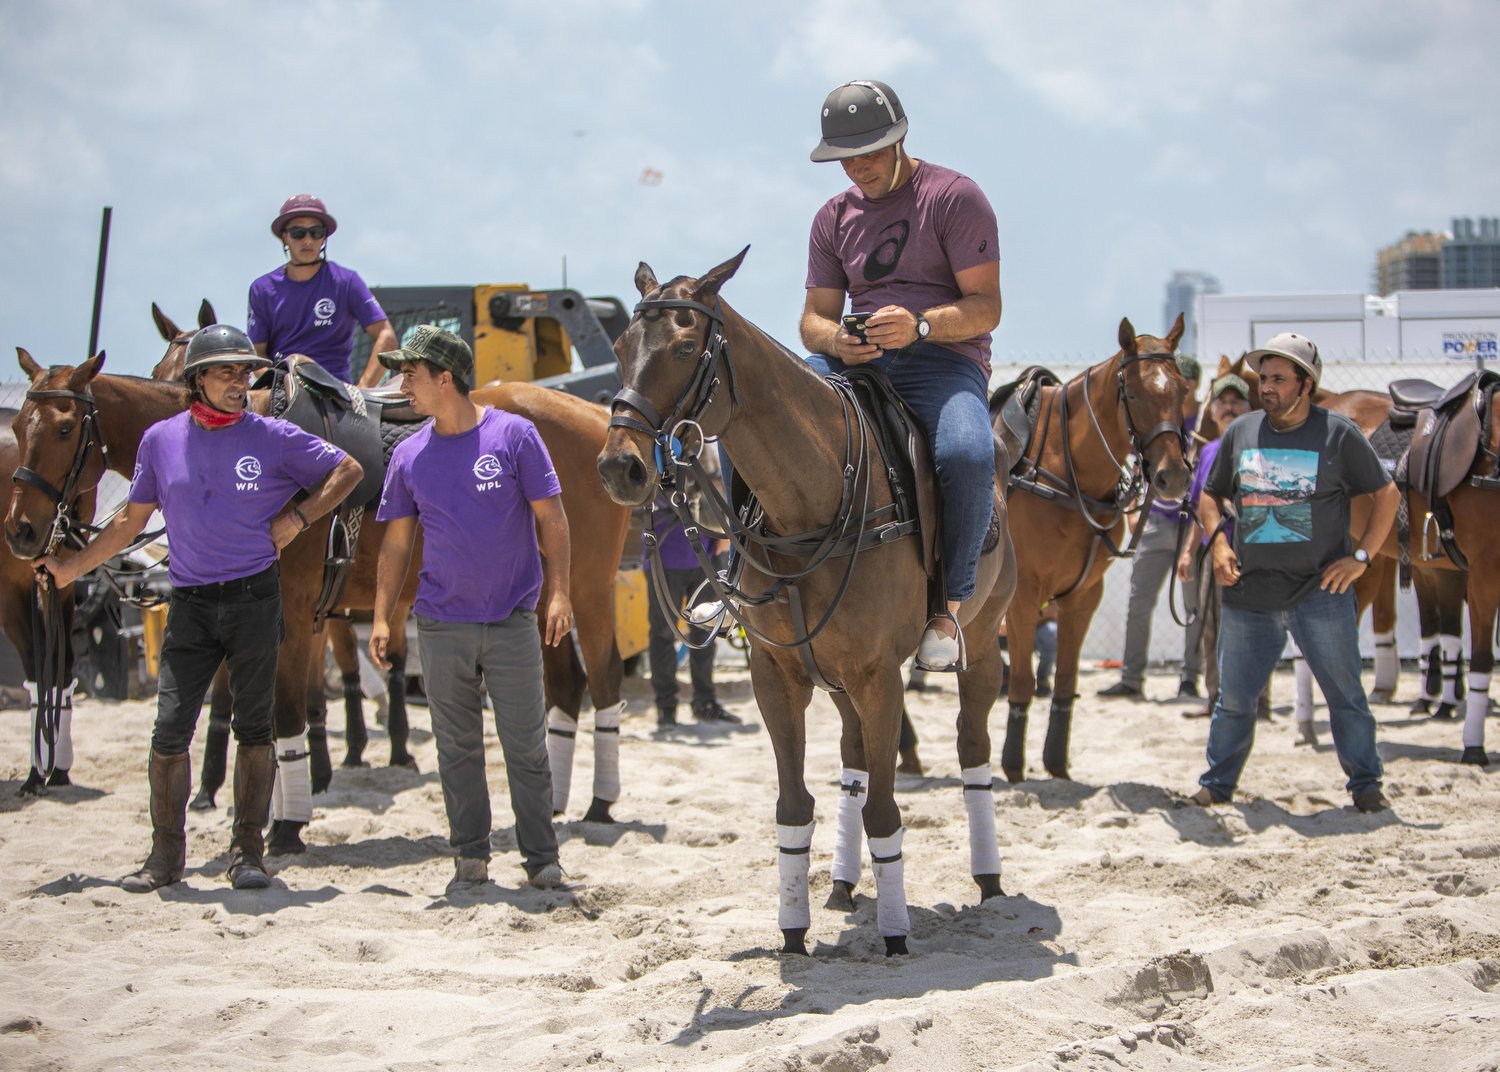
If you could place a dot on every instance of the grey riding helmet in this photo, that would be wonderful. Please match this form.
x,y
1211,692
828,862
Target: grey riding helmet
x,y
1298,349
220,344
859,118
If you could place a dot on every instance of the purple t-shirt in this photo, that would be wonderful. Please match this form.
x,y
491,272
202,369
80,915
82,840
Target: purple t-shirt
x,y
905,249
676,549
1205,462
473,493
219,490
316,318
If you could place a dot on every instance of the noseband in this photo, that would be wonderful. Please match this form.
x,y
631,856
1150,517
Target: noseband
x,y
65,527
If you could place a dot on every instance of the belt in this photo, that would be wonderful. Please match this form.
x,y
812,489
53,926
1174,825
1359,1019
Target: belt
x,y
238,584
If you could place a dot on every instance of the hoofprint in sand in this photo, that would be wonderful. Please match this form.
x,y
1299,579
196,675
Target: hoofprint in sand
x,y
1285,931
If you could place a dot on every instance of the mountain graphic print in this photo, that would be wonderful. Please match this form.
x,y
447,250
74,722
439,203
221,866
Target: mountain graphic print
x,y
1276,489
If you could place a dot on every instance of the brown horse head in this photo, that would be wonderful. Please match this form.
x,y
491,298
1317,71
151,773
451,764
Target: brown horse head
x,y
170,365
674,382
1153,390
58,445
1208,429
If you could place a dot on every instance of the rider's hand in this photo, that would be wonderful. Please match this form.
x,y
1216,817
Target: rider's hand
x,y
848,349
891,327
380,639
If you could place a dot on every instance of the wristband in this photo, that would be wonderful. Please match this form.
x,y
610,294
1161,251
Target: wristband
x,y
300,516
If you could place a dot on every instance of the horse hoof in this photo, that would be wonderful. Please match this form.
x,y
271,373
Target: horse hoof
x,y
1476,757
895,945
989,886
285,839
407,760
794,941
1444,711
841,897
204,801
1060,773
58,777
352,761
1420,707
599,812
33,786
910,763
1013,774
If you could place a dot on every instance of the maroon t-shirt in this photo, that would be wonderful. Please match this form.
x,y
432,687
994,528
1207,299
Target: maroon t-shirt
x,y
905,249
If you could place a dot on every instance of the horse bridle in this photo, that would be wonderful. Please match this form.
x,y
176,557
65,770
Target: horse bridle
x,y
65,526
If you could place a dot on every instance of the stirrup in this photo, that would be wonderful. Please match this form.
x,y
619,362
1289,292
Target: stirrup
x,y
935,655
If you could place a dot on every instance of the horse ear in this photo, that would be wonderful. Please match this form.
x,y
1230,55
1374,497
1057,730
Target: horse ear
x,y
645,279
206,314
709,285
1224,364
163,323
28,363
1175,335
84,374
1127,337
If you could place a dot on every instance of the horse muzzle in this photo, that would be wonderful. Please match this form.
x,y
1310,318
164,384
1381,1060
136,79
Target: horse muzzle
x,y
628,477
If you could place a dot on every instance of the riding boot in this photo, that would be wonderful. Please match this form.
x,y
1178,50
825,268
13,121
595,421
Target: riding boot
x,y
254,773
1055,748
355,737
170,781
1013,755
396,725
215,759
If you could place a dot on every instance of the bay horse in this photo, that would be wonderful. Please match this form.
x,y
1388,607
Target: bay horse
x,y
803,450
573,431
1097,438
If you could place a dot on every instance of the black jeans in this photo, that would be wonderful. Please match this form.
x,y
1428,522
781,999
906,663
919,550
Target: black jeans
x,y
681,584
236,621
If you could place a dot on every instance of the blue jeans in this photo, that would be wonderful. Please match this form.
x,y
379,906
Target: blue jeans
x,y
949,396
1326,628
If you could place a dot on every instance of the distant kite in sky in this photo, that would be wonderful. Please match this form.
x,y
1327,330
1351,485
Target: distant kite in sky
x,y
650,177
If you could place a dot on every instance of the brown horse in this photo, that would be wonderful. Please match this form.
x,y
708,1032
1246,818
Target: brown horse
x,y
1112,425
804,454
573,431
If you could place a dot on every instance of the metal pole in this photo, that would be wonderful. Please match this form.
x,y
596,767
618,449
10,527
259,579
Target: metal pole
x,y
99,282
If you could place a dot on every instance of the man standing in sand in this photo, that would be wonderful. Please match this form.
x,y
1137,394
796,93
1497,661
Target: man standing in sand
x,y
1291,470
482,485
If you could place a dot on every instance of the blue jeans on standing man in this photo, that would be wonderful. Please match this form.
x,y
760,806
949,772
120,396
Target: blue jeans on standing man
x,y
1326,628
949,395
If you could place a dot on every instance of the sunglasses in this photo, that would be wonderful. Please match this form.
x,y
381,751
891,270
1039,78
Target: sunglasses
x,y
299,233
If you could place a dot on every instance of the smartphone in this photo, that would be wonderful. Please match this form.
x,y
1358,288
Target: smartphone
x,y
854,324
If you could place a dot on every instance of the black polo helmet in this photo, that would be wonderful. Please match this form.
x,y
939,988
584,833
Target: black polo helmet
x,y
220,344
859,118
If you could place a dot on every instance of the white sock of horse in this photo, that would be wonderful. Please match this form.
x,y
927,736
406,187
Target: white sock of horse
x,y
890,885
607,752
1452,648
979,802
1478,707
795,845
294,779
562,737
1304,705
1387,666
1431,648
848,841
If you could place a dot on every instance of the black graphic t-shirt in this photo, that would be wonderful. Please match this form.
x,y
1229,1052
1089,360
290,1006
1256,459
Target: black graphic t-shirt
x,y
1291,493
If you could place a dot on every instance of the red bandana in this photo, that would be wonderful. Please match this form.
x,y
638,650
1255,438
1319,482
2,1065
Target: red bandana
x,y
211,418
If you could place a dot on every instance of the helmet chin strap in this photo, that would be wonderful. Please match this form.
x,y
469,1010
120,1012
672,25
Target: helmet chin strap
x,y
295,263
901,158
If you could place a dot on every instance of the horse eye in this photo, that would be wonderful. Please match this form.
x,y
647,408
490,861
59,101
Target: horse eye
x,y
687,349
64,430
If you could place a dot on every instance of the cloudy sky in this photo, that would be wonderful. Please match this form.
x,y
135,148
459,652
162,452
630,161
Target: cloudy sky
x,y
1274,144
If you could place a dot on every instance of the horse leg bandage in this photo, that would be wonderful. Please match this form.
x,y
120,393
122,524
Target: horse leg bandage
x,y
1430,668
1453,659
849,837
979,802
293,779
58,753
795,845
562,736
1387,666
1478,706
1304,705
606,752
890,885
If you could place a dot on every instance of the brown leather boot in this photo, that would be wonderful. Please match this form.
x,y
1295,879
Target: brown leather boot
x,y
170,784
254,774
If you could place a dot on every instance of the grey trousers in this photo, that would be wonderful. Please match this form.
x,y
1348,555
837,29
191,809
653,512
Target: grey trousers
x,y
459,659
1155,559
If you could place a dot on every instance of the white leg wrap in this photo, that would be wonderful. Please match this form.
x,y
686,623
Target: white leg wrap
x,y
1430,645
979,802
848,842
1478,707
607,752
1304,706
1387,666
62,748
890,885
1452,647
562,735
795,845
294,779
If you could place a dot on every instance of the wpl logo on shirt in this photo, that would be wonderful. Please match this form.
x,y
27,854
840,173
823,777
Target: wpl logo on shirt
x,y
488,469
248,471
323,312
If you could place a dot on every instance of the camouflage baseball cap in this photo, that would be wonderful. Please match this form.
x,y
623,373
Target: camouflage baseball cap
x,y
1188,365
441,348
1230,382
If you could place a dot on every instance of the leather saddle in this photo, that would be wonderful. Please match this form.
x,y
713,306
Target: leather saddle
x,y
1016,406
1448,428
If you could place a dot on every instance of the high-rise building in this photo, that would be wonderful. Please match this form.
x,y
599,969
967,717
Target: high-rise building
x,y
1183,290
1467,258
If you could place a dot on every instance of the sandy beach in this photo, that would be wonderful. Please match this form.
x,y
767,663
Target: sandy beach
x,y
1285,931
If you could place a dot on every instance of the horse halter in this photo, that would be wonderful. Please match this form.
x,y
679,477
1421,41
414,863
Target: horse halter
x,y
696,398
64,525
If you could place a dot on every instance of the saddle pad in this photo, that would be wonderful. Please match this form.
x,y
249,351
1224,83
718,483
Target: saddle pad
x,y
393,435
1390,442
